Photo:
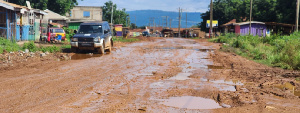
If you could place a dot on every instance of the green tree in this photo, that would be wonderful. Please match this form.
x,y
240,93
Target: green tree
x,y
119,16
58,6
133,26
263,10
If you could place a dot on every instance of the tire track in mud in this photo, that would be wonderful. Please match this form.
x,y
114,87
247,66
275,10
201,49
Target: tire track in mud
x,y
119,82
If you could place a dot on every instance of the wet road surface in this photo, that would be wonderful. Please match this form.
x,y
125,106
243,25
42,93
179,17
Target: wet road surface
x,y
165,75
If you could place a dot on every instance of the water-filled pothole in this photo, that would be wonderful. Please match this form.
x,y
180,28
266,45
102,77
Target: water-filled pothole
x,y
290,87
84,56
214,67
190,102
205,50
181,76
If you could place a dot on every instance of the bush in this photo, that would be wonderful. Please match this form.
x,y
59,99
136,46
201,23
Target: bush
x,y
121,39
30,46
279,51
50,49
8,45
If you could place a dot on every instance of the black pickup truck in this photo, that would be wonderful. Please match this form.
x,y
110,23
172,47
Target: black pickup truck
x,y
93,36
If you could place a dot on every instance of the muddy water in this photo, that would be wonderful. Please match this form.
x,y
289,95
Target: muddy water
x,y
290,87
190,102
84,56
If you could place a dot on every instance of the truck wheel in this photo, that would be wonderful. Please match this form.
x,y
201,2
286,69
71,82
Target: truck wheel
x,y
74,50
101,50
110,46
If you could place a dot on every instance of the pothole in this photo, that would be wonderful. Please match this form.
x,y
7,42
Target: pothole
x,y
290,87
181,76
214,67
84,56
190,102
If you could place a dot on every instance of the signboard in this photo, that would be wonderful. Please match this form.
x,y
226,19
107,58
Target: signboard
x,y
214,23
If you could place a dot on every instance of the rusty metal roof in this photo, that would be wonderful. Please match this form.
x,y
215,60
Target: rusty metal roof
x,y
11,6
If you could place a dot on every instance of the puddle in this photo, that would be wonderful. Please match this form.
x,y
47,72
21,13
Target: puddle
x,y
190,102
229,82
84,56
205,50
290,87
214,67
181,76
181,47
297,93
224,85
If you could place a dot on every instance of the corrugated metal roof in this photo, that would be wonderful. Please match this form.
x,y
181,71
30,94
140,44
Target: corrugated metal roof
x,y
11,6
252,22
54,16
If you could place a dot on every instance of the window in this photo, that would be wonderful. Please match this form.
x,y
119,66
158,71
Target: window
x,y
86,13
70,14
58,31
87,29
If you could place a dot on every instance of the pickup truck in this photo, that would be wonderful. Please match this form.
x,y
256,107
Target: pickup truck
x,y
93,36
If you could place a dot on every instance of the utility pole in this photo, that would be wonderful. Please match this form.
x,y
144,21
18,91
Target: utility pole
x,y
166,21
211,18
158,22
250,17
170,23
179,22
135,21
297,15
186,25
111,18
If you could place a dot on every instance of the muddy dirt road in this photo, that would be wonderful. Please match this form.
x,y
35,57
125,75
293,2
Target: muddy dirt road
x,y
164,75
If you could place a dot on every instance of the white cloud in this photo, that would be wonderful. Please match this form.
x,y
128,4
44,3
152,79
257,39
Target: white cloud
x,y
166,5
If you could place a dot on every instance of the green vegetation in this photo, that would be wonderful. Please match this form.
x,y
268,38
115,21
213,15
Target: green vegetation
x,y
52,49
69,33
277,51
298,79
263,10
58,6
121,39
119,16
8,45
195,38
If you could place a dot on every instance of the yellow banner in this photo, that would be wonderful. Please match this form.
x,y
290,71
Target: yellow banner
x,y
118,28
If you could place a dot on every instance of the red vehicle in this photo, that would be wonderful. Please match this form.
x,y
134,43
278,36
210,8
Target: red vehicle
x,y
54,32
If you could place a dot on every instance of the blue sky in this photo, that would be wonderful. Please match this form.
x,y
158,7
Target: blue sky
x,y
166,5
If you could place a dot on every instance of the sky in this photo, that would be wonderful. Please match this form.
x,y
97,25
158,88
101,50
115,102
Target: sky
x,y
166,5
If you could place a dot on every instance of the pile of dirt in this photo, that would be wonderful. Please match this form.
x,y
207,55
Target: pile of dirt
x,y
13,60
260,81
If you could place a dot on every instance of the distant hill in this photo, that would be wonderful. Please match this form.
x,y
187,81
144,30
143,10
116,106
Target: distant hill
x,y
143,18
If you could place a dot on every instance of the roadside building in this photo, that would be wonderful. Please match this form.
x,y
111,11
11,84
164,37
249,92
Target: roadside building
x,y
19,22
56,19
280,28
136,32
242,28
80,14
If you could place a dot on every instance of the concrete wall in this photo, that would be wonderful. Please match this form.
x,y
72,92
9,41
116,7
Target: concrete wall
x,y
76,13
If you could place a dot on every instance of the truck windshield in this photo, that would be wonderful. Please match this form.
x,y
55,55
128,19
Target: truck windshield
x,y
58,31
85,29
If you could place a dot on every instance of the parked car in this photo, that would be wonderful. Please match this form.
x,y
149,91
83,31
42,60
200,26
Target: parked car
x,y
55,32
93,36
146,33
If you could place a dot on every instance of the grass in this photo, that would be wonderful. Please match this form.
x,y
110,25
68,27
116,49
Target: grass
x,y
8,45
276,51
11,46
121,39
195,38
